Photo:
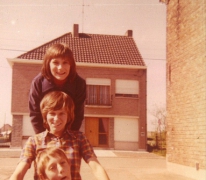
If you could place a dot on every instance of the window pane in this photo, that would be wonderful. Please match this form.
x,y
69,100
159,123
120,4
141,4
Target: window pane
x,y
103,125
103,131
98,95
91,94
95,95
102,139
104,95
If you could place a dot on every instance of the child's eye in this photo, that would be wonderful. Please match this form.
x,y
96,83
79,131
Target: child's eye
x,y
51,113
51,168
66,62
63,163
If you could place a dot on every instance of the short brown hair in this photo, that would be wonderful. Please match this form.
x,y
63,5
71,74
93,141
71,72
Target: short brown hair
x,y
43,158
58,51
56,100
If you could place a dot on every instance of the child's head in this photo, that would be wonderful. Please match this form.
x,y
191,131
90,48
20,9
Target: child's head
x,y
58,51
54,101
53,164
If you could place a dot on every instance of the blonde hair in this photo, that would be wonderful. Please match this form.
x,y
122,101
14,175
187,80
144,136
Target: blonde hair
x,y
56,100
43,158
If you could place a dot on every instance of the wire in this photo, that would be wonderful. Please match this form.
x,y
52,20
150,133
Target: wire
x,y
154,59
4,49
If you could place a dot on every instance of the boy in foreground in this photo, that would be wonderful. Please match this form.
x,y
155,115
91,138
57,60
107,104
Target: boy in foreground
x,y
57,109
52,164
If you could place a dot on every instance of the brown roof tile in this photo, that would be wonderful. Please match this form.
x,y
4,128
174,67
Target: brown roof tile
x,y
94,48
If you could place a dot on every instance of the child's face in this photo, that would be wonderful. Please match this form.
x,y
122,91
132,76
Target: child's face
x,y
57,121
58,169
59,68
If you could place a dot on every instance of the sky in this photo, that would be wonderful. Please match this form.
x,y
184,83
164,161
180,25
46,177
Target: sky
x,y
27,24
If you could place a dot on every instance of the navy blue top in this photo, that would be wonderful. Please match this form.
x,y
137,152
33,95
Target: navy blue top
x,y
40,86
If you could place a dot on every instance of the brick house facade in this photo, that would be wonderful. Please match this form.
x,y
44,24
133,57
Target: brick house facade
x,y
186,87
107,61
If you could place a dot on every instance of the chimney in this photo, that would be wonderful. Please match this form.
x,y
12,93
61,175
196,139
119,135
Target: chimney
x,y
76,30
129,33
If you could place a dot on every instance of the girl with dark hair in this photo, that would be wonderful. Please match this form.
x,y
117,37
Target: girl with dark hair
x,y
58,73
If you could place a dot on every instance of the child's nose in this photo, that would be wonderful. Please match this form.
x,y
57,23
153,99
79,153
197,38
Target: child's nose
x,y
56,117
59,66
60,168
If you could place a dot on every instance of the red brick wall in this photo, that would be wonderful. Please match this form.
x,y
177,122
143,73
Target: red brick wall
x,y
122,106
24,73
186,82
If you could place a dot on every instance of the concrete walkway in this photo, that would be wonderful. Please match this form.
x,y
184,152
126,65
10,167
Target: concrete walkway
x,y
120,165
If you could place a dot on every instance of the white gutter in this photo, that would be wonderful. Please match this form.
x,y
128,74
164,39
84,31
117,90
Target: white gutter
x,y
11,61
110,65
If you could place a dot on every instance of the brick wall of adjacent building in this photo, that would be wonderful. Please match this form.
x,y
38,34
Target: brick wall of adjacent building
x,y
186,83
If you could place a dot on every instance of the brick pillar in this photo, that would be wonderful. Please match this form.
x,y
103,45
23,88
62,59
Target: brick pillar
x,y
142,110
111,133
16,137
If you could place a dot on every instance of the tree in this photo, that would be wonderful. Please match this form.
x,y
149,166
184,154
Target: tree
x,y
159,115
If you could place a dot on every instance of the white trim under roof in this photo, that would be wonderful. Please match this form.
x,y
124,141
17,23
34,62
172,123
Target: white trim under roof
x,y
110,65
32,61
24,61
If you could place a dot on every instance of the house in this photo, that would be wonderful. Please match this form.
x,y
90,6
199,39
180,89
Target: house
x,y
186,88
5,128
116,119
5,131
5,135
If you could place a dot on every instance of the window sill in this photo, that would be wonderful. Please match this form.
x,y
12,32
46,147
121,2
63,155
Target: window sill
x,y
119,97
98,106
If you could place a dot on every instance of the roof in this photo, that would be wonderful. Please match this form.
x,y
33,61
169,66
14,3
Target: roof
x,y
94,48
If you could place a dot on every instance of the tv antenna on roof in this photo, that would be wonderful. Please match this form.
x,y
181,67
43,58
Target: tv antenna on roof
x,y
83,6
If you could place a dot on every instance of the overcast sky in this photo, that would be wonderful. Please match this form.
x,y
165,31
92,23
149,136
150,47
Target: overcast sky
x,y
27,24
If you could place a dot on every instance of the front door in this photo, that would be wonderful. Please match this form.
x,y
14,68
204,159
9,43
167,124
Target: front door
x,y
91,130
96,130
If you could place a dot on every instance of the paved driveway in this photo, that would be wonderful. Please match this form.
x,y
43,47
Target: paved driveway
x,y
120,165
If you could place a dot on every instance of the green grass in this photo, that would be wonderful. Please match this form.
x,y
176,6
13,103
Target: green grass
x,y
159,152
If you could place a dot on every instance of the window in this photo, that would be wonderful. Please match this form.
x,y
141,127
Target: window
x,y
126,88
98,92
103,131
